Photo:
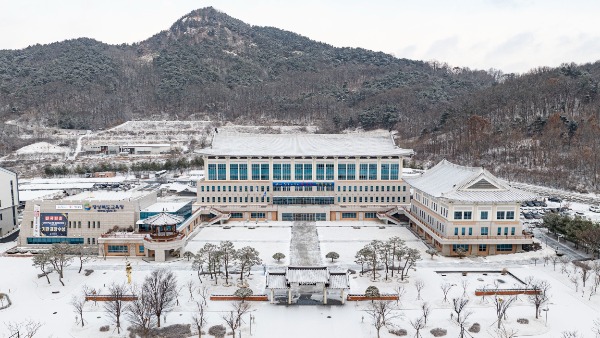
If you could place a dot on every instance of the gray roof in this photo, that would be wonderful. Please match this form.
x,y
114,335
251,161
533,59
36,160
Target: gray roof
x,y
469,184
163,219
298,145
307,275
276,280
339,281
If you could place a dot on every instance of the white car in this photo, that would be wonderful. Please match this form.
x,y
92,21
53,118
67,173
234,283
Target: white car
x,y
595,208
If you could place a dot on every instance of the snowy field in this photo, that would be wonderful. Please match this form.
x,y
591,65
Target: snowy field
x,y
568,310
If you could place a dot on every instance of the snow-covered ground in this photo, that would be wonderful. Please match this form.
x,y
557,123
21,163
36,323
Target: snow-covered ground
x,y
33,298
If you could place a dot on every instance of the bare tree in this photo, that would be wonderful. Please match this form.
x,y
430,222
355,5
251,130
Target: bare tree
x,y
459,305
380,312
199,318
465,284
83,253
78,303
188,255
396,244
140,311
575,280
596,328
426,310
585,271
401,291
59,256
42,262
432,252
228,255
445,289
234,318
501,305
25,329
191,286
161,287
419,285
540,297
203,291
554,260
546,260
115,306
417,324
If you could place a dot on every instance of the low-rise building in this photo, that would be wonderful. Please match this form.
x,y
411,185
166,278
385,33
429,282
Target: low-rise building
x,y
467,211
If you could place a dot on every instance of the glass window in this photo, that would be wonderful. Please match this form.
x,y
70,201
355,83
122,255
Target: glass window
x,y
298,171
385,171
329,171
484,231
506,231
277,171
363,172
243,172
470,231
212,172
457,215
372,171
351,171
484,215
221,171
467,215
394,170
370,215
482,247
510,215
504,247
264,171
465,247
499,231
348,215
512,231
307,171
500,215
462,232
455,231
255,171
341,171
320,171
234,171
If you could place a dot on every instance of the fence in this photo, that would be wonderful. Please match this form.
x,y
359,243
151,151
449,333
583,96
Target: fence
x,y
506,292
359,298
110,298
253,298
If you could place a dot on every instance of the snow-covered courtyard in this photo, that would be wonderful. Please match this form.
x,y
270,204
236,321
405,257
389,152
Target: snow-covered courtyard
x,y
33,298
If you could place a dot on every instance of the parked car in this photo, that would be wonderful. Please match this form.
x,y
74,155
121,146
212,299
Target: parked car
x,y
554,199
595,208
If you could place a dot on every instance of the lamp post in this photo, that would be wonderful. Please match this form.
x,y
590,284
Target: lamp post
x,y
546,310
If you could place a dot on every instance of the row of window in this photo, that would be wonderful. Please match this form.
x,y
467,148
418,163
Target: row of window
x,y
484,215
235,199
302,200
123,249
263,188
235,188
371,199
52,240
375,188
348,215
303,171
482,247
483,231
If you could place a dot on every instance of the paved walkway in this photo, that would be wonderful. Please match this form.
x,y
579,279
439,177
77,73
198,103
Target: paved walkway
x,y
304,245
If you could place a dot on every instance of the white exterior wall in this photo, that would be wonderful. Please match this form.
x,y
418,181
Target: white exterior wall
x,y
9,201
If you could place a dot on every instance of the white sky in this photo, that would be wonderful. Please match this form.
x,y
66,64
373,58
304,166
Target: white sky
x,y
511,35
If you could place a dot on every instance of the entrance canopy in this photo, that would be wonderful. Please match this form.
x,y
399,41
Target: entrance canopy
x,y
295,276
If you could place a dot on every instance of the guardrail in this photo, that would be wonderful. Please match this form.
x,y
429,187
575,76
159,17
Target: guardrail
x,y
110,298
506,292
253,298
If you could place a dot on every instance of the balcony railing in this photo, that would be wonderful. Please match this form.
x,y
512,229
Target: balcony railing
x,y
164,238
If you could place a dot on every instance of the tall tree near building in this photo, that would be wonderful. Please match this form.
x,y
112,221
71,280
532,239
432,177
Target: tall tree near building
x,y
140,312
502,305
161,288
247,257
541,297
82,253
228,255
410,260
395,244
199,318
381,312
234,317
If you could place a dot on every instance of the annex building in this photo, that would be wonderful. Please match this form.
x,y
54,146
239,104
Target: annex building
x,y
312,177
9,201
466,209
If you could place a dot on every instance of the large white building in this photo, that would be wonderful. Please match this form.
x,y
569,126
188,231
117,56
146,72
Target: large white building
x,y
9,201
457,208
302,176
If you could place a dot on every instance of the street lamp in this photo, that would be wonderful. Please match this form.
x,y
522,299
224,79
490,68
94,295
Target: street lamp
x,y
546,310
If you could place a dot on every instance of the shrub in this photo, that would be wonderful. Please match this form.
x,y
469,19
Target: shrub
x,y
438,332
399,332
475,328
217,331
523,321
104,328
372,292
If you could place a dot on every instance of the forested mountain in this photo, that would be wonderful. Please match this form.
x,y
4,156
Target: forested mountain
x,y
538,126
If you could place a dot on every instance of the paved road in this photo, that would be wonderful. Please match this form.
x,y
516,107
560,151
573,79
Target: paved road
x,y
304,245
562,246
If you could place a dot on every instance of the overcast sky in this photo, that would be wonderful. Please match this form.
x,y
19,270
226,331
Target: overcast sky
x,y
510,35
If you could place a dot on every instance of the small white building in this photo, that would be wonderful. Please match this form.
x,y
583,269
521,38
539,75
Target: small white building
x,y
9,201
466,209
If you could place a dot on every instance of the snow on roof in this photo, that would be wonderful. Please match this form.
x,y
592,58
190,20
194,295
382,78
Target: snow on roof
x,y
307,275
42,147
469,184
103,195
147,145
165,207
356,144
116,179
276,280
30,195
163,219
55,186
339,280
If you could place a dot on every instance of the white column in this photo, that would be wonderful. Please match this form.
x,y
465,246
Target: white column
x,y
272,296
324,295
343,298
290,296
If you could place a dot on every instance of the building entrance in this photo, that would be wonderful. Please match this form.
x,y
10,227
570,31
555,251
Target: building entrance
x,y
309,217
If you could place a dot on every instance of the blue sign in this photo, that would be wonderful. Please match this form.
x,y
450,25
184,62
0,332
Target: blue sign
x,y
303,184
53,224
